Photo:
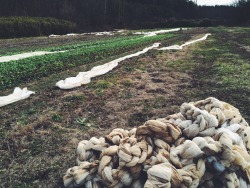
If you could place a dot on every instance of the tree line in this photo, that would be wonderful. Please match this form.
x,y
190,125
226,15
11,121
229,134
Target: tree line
x,y
33,26
109,14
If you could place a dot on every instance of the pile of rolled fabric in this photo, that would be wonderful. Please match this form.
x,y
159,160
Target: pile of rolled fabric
x,y
206,144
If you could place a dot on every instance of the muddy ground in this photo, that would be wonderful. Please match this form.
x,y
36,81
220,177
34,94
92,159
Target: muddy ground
x,y
39,135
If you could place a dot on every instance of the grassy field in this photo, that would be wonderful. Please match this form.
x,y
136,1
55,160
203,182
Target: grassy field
x,y
38,136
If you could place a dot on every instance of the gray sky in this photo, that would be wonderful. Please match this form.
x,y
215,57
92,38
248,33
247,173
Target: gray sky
x,y
214,2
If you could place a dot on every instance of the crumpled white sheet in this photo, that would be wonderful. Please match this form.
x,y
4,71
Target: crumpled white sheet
x,y
154,33
85,77
104,33
25,55
179,47
17,95
67,35
72,34
110,33
121,30
39,53
52,35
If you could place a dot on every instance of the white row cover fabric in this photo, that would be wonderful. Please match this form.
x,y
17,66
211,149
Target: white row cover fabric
x,y
39,53
154,33
17,95
110,33
25,55
104,33
179,47
53,36
85,77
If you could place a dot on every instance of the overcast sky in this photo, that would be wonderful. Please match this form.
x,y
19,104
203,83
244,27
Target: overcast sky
x,y
214,2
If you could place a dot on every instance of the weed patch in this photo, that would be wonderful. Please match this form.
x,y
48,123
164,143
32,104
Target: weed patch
x,y
57,118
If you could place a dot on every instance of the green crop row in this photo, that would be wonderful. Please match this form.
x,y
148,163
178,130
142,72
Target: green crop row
x,y
25,70
80,45
94,44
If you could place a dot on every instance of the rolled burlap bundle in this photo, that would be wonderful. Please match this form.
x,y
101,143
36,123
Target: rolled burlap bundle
x,y
163,175
198,122
206,144
166,131
132,153
81,175
192,174
244,133
185,153
90,150
230,180
231,114
109,171
116,135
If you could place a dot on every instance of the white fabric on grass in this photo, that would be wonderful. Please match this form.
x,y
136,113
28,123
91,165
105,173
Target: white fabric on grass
x,y
25,55
85,77
51,36
72,34
154,33
179,47
109,33
39,53
104,33
17,95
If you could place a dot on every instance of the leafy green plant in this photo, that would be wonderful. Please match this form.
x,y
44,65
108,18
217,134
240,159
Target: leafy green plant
x,y
57,118
83,122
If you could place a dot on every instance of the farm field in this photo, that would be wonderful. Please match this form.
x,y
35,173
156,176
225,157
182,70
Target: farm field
x,y
24,70
39,135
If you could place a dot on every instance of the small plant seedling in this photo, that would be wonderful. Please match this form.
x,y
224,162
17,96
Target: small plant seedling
x,y
57,118
83,122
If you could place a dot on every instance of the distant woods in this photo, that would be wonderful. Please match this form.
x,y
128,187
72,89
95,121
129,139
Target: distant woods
x,y
109,14
33,26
